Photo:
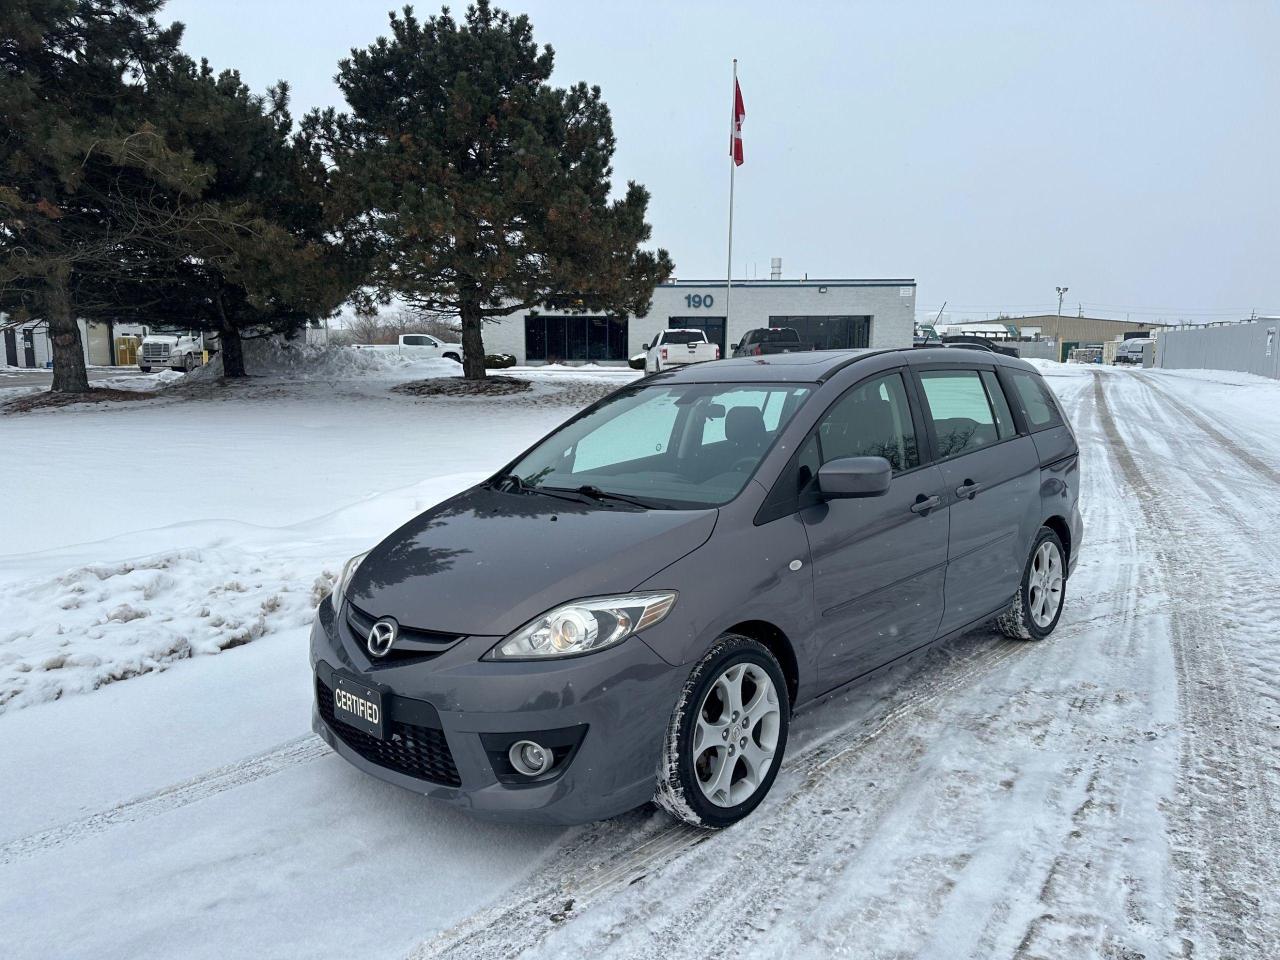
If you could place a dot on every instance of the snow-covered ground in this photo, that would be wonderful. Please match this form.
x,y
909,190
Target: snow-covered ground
x,y
1111,792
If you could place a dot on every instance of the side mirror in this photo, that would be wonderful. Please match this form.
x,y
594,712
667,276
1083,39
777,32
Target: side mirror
x,y
645,347
855,477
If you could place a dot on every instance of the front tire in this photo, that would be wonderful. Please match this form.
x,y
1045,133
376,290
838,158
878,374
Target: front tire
x,y
727,735
144,369
453,356
1035,611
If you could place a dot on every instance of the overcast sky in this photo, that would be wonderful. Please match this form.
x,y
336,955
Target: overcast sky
x,y
992,151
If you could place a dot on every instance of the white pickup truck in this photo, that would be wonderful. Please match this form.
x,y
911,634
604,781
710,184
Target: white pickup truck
x,y
417,345
678,348
176,352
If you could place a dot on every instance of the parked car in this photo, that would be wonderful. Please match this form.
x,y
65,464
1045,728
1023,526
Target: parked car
x,y
1130,351
177,352
633,607
678,348
766,341
978,343
418,346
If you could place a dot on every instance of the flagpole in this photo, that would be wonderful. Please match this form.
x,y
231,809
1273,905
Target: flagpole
x,y
733,131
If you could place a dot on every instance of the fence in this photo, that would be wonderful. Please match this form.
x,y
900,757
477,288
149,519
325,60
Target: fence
x,y
1037,349
1250,347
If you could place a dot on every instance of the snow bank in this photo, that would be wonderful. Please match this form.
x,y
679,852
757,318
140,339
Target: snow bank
x,y
1230,377
144,383
90,624
278,357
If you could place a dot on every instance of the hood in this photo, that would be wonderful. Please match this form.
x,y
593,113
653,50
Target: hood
x,y
486,562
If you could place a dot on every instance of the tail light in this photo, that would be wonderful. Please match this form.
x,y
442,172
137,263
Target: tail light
x,y
664,353
717,349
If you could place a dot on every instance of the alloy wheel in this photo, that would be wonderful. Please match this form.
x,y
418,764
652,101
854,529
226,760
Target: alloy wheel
x,y
736,735
1044,586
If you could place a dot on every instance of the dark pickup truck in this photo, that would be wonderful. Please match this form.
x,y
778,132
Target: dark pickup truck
x,y
767,340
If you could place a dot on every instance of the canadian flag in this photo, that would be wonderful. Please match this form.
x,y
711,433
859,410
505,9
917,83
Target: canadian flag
x,y
739,114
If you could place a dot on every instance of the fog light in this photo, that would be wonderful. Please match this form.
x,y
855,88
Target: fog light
x,y
529,758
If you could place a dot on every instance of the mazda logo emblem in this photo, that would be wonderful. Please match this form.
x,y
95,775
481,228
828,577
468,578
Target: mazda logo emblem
x,y
381,636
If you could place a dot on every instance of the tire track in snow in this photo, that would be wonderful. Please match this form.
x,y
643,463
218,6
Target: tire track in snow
x,y
608,857
1225,809
289,754
1230,445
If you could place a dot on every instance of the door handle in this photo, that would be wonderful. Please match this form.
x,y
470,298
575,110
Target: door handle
x,y
968,489
924,504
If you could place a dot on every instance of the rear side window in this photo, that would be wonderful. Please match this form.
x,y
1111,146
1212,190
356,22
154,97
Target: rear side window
x,y
1038,403
963,420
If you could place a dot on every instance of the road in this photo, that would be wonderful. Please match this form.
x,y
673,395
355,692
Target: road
x,y
42,378
1111,792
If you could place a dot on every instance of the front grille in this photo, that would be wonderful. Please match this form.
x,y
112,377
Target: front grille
x,y
155,351
419,752
411,642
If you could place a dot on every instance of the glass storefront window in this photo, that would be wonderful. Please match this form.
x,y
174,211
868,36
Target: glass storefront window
x,y
575,339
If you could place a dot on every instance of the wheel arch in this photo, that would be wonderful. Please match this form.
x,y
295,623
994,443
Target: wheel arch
x,y
1059,525
777,642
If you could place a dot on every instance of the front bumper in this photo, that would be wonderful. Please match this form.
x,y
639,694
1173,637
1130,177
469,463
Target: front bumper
x,y
623,696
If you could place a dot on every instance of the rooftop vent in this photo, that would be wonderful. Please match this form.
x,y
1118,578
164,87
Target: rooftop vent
x,y
775,268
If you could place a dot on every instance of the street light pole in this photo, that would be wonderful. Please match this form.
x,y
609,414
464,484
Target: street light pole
x,y
1062,292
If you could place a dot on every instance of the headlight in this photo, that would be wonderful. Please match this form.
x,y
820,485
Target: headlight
x,y
344,580
584,626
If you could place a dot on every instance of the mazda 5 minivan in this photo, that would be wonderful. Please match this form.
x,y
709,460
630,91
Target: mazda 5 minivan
x,y
633,608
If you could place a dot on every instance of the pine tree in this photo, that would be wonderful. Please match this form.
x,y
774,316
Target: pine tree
x,y
254,256
80,165
478,187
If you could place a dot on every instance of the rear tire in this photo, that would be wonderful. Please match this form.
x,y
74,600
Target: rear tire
x,y
453,356
1035,611
727,735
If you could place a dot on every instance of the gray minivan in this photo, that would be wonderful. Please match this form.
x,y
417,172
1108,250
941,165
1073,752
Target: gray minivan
x,y
633,607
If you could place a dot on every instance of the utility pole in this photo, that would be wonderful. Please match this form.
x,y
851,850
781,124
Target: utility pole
x,y
1062,292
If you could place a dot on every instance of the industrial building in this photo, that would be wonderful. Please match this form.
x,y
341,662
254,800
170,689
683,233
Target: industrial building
x,y
828,314
27,344
1048,336
1081,330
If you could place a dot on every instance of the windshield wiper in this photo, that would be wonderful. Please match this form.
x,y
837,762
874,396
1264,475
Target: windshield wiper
x,y
509,479
517,484
595,493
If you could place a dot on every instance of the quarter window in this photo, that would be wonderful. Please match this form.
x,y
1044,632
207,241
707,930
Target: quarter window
x,y
1042,412
1000,404
961,412
871,420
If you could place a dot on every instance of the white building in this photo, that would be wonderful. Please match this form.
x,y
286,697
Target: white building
x,y
828,314
27,344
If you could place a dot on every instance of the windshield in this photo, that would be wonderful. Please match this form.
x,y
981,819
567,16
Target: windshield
x,y
684,336
675,446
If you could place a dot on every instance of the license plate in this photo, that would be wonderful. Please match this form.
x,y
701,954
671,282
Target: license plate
x,y
357,705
